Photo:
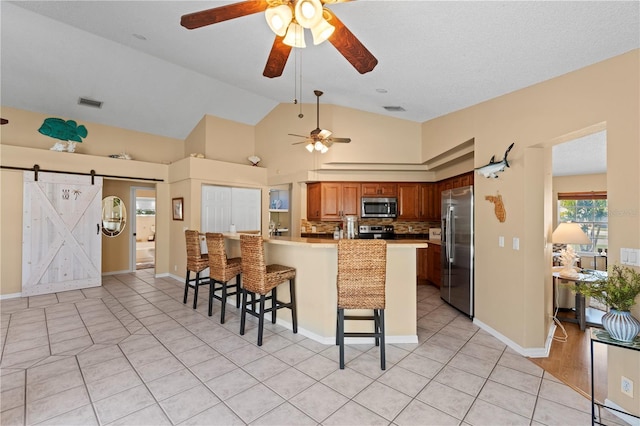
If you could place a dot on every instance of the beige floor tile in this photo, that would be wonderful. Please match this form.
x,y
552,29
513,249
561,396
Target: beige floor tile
x,y
113,384
246,354
446,399
12,378
114,335
54,384
58,365
11,398
318,401
563,394
348,382
508,398
482,352
70,296
293,354
220,415
318,366
519,363
212,368
96,372
418,364
367,365
66,335
229,344
156,369
13,417
184,344
477,366
460,380
151,415
189,403
146,356
197,355
289,383
83,416
231,384
353,413
484,413
443,340
418,413
57,404
433,351
71,346
516,379
138,343
265,367
262,400
383,400
173,383
122,404
97,354
42,300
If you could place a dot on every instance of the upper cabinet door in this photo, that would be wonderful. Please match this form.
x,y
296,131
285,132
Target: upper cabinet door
x,y
379,189
408,196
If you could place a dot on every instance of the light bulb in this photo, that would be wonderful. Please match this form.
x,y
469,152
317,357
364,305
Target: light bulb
x,y
318,145
324,149
322,31
309,147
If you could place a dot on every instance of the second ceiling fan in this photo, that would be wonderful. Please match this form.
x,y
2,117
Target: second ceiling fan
x,y
319,139
288,18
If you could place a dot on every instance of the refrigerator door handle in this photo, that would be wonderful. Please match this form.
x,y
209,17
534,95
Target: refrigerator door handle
x,y
449,235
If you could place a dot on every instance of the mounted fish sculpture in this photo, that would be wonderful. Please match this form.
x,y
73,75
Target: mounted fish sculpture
x,y
64,130
492,169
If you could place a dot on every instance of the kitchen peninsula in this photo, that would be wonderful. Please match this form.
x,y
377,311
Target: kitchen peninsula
x,y
316,263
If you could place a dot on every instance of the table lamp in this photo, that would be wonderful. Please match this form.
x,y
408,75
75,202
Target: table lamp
x,y
569,233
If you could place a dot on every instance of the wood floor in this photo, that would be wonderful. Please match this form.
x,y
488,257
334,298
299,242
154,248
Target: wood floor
x,y
570,362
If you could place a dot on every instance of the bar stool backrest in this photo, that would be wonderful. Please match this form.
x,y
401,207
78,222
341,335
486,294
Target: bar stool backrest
x,y
362,270
217,257
254,269
195,261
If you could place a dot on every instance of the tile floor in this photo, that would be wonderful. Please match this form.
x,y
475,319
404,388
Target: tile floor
x,y
130,353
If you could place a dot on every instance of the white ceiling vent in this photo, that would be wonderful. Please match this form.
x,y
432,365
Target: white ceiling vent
x,y
90,103
394,108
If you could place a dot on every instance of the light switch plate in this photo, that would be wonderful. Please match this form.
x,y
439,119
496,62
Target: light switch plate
x,y
516,243
500,241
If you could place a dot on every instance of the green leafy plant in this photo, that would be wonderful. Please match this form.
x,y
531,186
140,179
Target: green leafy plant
x,y
618,291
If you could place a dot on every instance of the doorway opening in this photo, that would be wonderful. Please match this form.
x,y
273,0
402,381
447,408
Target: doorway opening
x,y
143,228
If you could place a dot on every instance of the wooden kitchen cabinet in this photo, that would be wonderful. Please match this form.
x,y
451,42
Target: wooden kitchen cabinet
x,y
434,267
379,189
429,202
408,201
331,201
422,265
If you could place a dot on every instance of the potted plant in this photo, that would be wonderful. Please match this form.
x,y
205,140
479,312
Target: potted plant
x,y
618,291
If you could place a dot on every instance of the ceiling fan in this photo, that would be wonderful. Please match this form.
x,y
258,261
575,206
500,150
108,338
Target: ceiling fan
x,y
288,18
319,139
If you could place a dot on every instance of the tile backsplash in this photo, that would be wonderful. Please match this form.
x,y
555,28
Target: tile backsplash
x,y
399,227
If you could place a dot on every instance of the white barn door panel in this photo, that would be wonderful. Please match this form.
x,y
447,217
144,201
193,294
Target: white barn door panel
x,y
61,238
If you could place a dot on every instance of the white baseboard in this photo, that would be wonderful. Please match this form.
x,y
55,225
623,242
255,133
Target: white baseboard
x,y
10,296
528,352
633,421
104,274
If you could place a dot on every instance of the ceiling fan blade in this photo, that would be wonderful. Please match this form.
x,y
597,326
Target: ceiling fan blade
x,y
277,59
298,143
300,136
350,47
222,13
340,140
3,121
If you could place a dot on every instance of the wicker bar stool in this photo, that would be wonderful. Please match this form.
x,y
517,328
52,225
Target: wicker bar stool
x,y
261,279
362,269
196,262
221,271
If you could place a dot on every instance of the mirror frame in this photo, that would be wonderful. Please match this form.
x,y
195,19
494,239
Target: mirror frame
x,y
114,216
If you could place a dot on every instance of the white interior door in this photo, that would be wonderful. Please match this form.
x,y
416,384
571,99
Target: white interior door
x,y
61,238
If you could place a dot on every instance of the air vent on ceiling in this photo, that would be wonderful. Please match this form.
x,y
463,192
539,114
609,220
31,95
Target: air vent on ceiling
x,y
90,102
394,108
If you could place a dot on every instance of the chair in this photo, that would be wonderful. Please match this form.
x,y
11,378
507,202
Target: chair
x,y
261,279
196,262
362,269
221,271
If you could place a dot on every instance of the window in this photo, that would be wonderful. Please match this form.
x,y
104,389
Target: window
x,y
589,209
145,206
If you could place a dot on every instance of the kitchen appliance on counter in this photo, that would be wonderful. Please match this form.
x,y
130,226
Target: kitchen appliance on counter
x,y
456,287
369,232
378,207
350,227
435,233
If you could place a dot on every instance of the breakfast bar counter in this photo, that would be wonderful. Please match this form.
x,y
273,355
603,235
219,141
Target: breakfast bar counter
x,y
316,263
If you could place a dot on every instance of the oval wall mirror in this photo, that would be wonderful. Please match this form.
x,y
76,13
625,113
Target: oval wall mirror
x,y
114,216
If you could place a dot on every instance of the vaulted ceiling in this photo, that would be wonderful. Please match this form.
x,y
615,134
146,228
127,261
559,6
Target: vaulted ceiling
x,y
155,76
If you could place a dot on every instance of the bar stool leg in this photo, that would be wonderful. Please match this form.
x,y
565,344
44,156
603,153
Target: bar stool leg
x,y
224,302
340,337
195,294
274,304
382,344
294,314
238,290
211,289
261,319
243,312
186,287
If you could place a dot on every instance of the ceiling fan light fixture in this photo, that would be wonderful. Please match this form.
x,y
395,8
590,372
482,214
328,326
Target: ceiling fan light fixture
x,y
318,145
324,134
322,31
324,149
295,36
309,147
279,18
308,13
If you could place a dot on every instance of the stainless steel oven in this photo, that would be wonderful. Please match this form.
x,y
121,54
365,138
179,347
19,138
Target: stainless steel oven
x,y
379,207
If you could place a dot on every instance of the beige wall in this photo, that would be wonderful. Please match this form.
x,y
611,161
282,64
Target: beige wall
x,y
222,140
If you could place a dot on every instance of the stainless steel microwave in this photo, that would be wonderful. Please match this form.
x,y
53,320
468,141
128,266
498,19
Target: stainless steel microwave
x,y
379,207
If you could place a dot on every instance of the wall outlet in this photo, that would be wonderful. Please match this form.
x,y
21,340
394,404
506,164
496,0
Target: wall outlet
x,y
626,386
175,268
501,241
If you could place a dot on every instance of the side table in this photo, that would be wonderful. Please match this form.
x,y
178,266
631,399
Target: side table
x,y
603,337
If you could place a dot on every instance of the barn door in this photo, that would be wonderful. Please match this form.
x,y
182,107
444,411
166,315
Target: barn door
x,y
61,238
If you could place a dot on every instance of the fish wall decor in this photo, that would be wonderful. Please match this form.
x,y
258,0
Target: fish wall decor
x,y
491,170
64,130
499,210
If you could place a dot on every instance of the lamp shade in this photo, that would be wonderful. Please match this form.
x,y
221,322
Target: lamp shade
x,y
309,147
308,12
279,18
322,31
569,233
295,36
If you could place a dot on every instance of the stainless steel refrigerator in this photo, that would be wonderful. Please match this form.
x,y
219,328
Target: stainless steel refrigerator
x,y
456,287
